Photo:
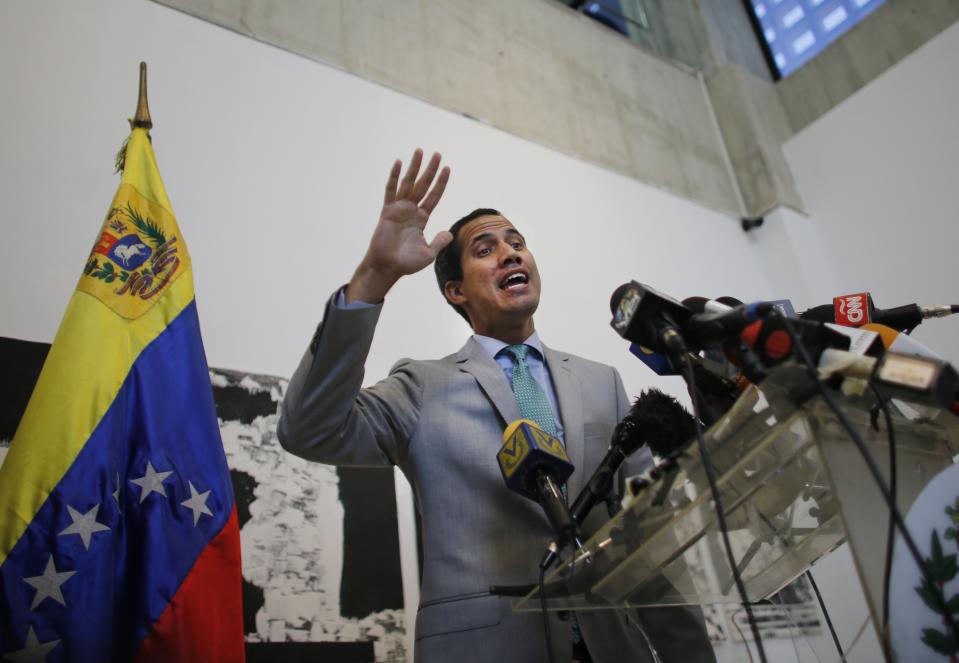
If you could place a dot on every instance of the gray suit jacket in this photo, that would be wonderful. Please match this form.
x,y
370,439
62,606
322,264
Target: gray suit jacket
x,y
441,423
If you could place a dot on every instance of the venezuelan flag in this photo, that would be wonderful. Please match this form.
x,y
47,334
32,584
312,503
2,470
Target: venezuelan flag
x,y
118,527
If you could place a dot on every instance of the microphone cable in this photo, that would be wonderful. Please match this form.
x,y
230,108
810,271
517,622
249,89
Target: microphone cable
x,y
927,579
542,602
825,613
720,516
890,528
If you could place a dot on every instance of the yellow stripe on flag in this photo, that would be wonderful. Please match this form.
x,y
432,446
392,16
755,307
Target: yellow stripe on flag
x,y
142,171
116,312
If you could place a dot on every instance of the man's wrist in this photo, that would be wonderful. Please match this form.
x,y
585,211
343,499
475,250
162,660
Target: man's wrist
x,y
369,284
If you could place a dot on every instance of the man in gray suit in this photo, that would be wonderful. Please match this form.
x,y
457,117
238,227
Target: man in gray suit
x,y
441,423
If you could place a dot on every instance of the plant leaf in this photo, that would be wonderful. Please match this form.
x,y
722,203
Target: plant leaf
x,y
936,548
940,642
950,568
929,596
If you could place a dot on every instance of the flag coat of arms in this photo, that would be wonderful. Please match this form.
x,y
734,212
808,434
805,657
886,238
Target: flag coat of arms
x,y
118,528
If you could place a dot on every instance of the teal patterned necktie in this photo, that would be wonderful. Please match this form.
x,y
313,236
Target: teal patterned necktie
x,y
534,405
530,398
532,402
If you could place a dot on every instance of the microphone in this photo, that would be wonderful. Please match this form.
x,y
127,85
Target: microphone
x,y
657,363
650,318
896,341
656,322
656,420
772,343
703,305
714,321
784,306
735,349
666,426
534,464
858,309
729,301
717,392
910,377
864,342
659,322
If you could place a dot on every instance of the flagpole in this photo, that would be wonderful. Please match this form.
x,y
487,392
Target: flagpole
x,y
142,116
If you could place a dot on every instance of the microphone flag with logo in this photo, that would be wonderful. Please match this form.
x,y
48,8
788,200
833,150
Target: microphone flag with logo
x,y
118,525
528,449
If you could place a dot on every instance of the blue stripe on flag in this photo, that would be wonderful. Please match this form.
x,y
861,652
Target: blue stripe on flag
x,y
163,415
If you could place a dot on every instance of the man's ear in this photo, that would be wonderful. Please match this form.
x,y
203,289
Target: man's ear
x,y
454,292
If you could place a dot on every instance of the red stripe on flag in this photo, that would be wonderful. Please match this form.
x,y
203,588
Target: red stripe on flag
x,y
204,620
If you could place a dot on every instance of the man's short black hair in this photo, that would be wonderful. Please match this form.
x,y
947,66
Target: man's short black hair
x,y
448,265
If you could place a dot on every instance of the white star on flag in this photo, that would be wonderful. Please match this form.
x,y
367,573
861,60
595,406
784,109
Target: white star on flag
x,y
33,649
151,482
48,585
84,524
197,503
116,493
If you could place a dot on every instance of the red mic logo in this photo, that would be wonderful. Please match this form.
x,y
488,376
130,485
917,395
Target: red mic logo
x,y
852,310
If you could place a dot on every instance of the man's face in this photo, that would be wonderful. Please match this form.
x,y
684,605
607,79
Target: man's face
x,y
501,284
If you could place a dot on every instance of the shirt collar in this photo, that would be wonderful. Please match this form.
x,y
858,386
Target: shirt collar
x,y
493,346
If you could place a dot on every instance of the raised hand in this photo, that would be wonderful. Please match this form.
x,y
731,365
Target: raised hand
x,y
398,246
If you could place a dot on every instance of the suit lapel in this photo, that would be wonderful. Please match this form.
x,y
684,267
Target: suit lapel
x,y
571,412
474,360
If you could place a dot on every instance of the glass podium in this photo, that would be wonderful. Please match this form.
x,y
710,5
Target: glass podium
x,y
793,487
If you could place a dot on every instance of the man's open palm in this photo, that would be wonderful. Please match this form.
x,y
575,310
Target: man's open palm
x,y
398,246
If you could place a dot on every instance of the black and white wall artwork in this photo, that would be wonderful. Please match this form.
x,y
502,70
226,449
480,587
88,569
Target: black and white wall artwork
x,y
320,545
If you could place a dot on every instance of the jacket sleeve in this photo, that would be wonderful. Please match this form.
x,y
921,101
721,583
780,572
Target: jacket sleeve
x,y
326,416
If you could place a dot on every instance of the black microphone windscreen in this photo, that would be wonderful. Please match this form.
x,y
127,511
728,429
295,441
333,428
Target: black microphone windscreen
x,y
729,301
821,313
660,421
695,304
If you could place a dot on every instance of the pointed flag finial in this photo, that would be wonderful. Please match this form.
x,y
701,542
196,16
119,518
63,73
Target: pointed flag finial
x,y
140,120
142,117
